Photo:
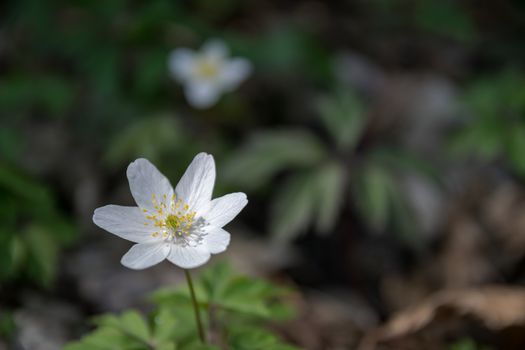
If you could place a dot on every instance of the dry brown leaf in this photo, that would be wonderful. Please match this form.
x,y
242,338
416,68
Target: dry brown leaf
x,y
495,309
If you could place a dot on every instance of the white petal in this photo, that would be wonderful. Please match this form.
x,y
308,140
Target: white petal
x,y
224,209
144,255
217,239
180,64
189,257
234,72
202,93
145,181
215,49
125,222
196,185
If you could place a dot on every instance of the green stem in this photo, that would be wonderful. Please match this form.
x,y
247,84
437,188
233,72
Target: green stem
x,y
195,307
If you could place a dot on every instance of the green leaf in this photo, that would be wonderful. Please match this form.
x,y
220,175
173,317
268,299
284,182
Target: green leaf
x,y
130,323
267,153
241,304
215,280
246,296
105,339
293,206
373,190
252,338
344,117
331,182
256,338
164,324
240,296
133,323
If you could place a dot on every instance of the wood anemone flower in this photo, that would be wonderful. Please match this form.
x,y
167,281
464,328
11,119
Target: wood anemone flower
x,y
183,225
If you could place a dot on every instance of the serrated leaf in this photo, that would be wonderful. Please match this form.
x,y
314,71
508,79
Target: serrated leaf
x,y
178,322
133,323
129,323
252,338
104,339
215,279
280,311
255,338
267,153
244,302
164,325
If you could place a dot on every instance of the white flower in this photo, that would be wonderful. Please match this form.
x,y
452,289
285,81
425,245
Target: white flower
x,y
183,225
208,73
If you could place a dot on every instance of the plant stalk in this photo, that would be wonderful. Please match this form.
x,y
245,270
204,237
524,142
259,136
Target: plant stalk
x,y
195,307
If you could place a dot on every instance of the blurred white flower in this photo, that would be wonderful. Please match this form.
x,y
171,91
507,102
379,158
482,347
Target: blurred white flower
x,y
183,225
208,73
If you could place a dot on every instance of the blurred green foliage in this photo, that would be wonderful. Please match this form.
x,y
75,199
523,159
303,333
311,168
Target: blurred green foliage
x,y
236,309
495,129
319,176
33,230
100,70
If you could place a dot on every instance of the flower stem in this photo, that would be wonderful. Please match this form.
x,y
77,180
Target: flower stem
x,y
195,307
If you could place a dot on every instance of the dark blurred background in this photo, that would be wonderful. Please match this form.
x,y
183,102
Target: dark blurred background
x,y
381,144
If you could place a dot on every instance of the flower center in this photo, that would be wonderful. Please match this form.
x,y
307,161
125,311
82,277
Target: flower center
x,y
180,225
206,68
174,221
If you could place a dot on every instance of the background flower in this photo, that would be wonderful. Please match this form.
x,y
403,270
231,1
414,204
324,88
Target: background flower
x,y
208,73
